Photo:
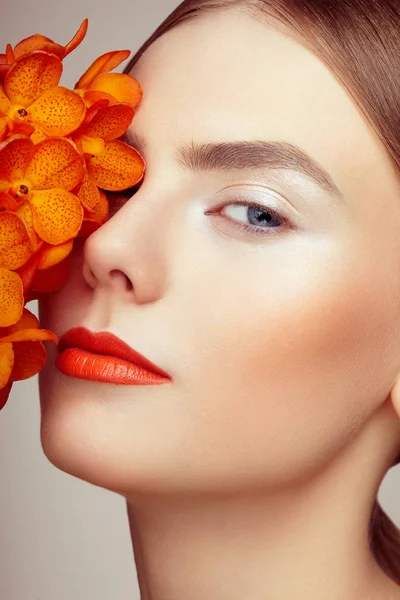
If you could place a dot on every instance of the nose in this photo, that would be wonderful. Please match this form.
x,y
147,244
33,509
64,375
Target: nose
x,y
128,254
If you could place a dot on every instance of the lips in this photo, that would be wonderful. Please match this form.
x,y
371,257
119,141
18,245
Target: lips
x,y
104,357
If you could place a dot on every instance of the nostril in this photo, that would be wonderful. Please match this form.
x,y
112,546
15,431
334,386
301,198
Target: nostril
x,y
124,279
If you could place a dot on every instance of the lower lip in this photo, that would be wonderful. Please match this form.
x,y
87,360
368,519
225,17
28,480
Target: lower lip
x,y
108,369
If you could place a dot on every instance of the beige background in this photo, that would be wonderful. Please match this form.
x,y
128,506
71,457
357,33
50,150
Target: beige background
x,y
60,538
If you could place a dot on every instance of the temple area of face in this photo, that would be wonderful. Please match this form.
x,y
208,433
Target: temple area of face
x,y
242,154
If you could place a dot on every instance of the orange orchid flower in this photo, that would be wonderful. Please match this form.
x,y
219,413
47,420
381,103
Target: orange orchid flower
x,y
39,177
40,42
59,149
22,354
111,164
97,84
31,102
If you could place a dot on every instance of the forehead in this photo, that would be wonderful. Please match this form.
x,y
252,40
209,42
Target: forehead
x,y
228,76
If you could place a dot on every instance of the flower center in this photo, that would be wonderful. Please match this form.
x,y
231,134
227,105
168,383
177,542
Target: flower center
x,y
20,190
23,190
22,113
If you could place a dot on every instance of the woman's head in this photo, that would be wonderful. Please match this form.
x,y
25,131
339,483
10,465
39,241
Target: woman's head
x,y
283,346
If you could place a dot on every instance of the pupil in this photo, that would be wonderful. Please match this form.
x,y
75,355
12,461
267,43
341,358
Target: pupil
x,y
257,215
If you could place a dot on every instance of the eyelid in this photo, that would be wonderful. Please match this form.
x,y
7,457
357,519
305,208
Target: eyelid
x,y
263,198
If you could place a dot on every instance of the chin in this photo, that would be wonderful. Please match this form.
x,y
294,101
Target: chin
x,y
115,437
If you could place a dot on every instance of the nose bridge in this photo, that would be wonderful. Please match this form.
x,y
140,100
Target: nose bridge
x,y
133,243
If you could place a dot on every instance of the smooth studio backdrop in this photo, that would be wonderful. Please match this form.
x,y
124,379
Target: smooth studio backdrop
x,y
61,538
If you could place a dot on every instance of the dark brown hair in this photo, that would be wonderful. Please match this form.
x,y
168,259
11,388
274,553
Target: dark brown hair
x,y
359,40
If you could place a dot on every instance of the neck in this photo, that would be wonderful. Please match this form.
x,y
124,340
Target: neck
x,y
308,542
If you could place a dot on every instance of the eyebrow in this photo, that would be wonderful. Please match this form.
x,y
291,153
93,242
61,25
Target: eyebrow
x,y
226,156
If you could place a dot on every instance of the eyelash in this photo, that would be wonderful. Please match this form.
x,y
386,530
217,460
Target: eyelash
x,y
249,203
238,200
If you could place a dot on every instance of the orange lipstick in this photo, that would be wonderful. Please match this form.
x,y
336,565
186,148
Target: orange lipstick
x,y
104,357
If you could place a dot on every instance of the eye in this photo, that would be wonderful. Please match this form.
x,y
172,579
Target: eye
x,y
251,217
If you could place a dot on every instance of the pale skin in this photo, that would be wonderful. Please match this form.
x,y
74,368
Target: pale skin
x,y
253,474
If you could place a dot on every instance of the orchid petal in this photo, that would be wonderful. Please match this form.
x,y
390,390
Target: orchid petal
x,y
5,103
104,63
14,159
55,163
109,122
15,243
4,394
27,272
11,297
29,359
38,42
99,216
7,202
118,168
88,194
38,135
21,128
57,215
4,130
52,255
25,212
58,111
78,37
32,75
51,279
92,97
6,363
10,55
92,145
26,329
122,87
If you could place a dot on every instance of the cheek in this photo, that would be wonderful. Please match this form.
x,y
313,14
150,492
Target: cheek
x,y
287,368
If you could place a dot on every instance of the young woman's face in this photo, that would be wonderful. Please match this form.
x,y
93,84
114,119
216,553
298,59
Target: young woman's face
x,y
281,338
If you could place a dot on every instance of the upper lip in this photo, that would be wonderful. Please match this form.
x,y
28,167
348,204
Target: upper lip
x,y
106,343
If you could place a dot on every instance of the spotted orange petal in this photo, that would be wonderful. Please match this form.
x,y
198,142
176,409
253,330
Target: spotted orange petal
x,y
15,243
88,194
55,163
120,86
52,255
109,122
119,167
51,279
5,103
104,63
32,75
11,297
58,112
6,363
14,159
57,215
